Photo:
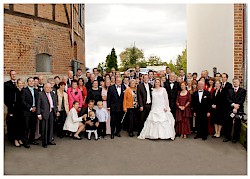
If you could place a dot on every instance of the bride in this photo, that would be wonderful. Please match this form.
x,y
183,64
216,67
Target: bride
x,y
160,121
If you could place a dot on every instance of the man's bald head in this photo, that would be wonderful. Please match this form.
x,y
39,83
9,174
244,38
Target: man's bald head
x,y
47,87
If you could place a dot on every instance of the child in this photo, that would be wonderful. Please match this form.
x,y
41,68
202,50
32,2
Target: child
x,y
92,125
102,116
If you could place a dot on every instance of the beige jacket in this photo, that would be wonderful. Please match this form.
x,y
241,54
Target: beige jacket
x,y
66,102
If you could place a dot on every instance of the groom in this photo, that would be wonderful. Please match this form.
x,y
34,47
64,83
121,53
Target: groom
x,y
144,97
115,105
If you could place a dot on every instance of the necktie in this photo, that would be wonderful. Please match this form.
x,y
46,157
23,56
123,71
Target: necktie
x,y
223,85
200,91
235,90
14,83
50,102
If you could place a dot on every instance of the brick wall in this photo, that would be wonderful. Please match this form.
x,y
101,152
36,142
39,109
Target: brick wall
x,y
25,37
239,41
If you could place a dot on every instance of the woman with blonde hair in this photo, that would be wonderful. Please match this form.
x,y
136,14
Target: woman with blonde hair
x,y
104,93
130,105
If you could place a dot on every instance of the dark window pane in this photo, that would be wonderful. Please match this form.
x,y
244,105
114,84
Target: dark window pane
x,y
43,63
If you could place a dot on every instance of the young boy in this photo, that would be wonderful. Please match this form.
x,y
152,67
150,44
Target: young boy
x,y
102,116
92,125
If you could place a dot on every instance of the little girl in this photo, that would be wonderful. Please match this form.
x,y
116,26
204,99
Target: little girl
x,y
92,125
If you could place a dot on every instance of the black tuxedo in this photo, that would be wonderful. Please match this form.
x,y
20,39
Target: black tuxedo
x,y
9,101
142,102
88,84
47,122
69,82
172,94
29,116
115,103
237,98
40,87
201,109
84,111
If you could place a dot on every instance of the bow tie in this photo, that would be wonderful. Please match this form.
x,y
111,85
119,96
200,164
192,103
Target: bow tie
x,y
200,91
118,86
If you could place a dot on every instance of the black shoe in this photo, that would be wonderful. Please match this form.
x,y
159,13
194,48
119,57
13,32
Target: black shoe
x,y
34,143
26,146
214,136
45,146
77,138
51,143
226,140
234,141
197,136
112,136
204,138
89,139
96,139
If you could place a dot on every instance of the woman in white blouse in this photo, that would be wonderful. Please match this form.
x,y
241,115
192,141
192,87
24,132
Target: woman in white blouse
x,y
73,122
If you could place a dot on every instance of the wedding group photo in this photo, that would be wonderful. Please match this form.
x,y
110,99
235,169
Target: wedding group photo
x,y
90,89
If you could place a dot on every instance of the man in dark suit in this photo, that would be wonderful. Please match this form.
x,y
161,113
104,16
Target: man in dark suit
x,y
115,105
70,78
182,75
172,87
29,101
137,72
236,97
168,71
225,107
90,81
40,84
144,97
201,108
46,109
97,77
9,101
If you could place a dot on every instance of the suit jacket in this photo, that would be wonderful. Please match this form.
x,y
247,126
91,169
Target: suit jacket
x,y
85,111
27,100
10,96
142,94
43,105
59,101
203,107
114,101
74,97
172,93
69,81
224,93
237,98
136,76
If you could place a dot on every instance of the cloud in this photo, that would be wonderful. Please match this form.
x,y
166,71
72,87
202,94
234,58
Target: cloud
x,y
158,29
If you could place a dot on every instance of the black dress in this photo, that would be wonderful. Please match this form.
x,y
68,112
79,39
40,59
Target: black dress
x,y
94,121
94,95
217,114
18,119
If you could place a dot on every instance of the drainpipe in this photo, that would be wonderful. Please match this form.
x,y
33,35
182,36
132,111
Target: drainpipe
x,y
72,24
245,45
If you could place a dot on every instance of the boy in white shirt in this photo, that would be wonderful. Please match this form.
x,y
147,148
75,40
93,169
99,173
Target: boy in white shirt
x,y
102,116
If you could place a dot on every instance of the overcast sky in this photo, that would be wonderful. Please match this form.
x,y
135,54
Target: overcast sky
x,y
158,29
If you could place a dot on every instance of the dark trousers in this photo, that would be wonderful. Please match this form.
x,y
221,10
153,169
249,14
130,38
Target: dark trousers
x,y
201,124
115,122
10,124
60,123
228,128
30,127
131,113
47,129
143,116
102,129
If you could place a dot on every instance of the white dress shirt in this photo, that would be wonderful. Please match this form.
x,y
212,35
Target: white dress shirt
x,y
148,93
118,89
200,95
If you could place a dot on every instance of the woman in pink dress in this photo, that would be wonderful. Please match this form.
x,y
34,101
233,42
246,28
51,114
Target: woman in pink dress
x,y
104,98
183,112
74,94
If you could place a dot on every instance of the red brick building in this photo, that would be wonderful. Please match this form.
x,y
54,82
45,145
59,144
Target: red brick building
x,y
43,39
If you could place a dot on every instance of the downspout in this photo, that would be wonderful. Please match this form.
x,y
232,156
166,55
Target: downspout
x,y
245,28
72,24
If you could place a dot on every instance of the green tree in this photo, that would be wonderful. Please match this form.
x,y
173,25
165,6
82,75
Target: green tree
x,y
154,60
131,56
181,61
111,60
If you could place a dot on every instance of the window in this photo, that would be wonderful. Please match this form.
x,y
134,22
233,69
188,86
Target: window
x,y
80,14
43,63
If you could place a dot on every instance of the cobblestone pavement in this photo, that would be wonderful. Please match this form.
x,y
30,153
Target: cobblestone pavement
x,y
129,156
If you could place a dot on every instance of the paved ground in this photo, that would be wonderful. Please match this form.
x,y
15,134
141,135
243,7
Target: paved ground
x,y
129,156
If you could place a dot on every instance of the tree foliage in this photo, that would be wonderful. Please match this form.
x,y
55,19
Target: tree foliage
x,y
111,60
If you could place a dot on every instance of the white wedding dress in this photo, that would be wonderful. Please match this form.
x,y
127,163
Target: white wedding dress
x,y
159,124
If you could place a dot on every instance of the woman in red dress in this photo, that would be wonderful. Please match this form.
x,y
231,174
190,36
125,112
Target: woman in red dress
x,y
210,88
83,90
183,112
